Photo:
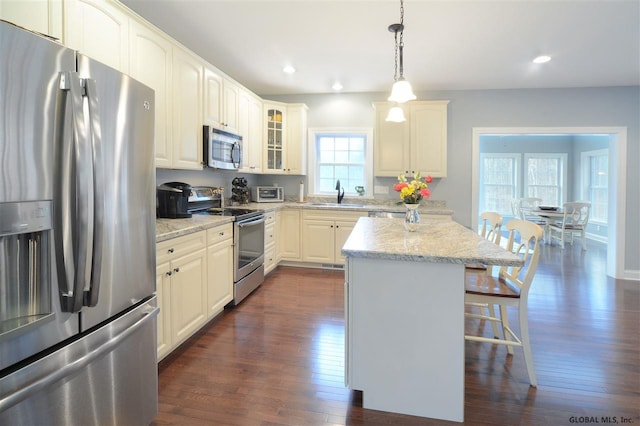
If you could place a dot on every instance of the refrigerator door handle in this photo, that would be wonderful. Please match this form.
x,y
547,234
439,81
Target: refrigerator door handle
x,y
73,226
52,372
97,192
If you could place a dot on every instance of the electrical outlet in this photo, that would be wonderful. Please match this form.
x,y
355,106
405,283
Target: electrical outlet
x,y
381,189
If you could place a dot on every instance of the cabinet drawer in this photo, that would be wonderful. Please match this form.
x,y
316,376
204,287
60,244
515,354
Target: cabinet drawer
x,y
270,218
177,247
219,233
269,259
269,234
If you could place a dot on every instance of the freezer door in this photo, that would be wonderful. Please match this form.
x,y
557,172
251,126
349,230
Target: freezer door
x,y
108,377
31,110
124,246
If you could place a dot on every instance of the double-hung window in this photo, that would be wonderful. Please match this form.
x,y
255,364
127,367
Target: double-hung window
x,y
595,186
344,155
499,177
546,177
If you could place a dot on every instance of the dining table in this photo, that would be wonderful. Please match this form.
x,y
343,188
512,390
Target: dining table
x,y
549,215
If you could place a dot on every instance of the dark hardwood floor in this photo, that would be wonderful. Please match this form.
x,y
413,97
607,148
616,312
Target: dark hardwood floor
x,y
278,358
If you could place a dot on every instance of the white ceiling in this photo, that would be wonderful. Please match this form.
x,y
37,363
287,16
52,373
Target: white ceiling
x,y
449,44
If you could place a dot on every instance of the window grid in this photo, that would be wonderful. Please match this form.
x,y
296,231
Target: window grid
x,y
340,157
499,179
595,166
546,177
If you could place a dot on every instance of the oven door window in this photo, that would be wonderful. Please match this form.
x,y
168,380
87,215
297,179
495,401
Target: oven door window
x,y
250,242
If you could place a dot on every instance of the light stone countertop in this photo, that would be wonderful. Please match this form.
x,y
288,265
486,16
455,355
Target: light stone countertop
x,y
167,229
434,241
172,228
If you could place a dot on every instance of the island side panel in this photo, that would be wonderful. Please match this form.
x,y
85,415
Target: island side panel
x,y
405,336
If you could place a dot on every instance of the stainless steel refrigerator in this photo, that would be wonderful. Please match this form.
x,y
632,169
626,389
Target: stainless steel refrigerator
x,y
77,239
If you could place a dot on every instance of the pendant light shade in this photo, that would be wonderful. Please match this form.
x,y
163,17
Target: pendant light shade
x,y
401,92
396,115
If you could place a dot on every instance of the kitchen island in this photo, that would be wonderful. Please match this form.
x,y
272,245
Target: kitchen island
x,y
404,313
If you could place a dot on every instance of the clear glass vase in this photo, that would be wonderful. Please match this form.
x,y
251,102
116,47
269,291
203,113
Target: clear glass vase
x,y
412,217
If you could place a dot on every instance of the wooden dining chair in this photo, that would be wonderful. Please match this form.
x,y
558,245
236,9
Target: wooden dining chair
x,y
509,289
492,231
574,221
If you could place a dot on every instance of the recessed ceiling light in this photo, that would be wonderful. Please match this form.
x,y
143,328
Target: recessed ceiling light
x,y
337,86
289,69
541,59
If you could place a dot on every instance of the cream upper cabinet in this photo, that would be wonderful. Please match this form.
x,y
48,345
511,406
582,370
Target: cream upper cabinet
x,y
221,101
417,145
296,153
99,29
274,137
231,93
188,73
250,128
151,63
284,138
43,16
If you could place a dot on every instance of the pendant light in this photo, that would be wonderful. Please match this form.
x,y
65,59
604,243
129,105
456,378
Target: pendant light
x,y
401,91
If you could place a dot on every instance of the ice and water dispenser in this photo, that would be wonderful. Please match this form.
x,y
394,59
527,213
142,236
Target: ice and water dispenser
x,y
25,265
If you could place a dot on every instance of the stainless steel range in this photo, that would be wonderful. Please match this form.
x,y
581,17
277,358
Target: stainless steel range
x,y
248,238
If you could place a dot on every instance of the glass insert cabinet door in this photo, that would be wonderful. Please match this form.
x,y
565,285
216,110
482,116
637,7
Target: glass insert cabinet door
x,y
275,124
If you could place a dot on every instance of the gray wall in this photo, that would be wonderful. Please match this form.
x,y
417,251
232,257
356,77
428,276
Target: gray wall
x,y
580,107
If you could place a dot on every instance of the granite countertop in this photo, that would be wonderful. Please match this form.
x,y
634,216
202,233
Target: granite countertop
x,y
172,228
167,229
434,241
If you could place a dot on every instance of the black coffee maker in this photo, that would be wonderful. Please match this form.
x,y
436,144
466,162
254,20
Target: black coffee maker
x,y
173,200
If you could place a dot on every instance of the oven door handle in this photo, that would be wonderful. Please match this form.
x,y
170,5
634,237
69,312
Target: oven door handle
x,y
257,221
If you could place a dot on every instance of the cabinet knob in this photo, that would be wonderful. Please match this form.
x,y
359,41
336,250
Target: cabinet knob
x,y
171,250
332,226
221,233
176,270
337,226
169,273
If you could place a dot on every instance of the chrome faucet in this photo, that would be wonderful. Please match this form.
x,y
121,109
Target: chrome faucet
x,y
338,188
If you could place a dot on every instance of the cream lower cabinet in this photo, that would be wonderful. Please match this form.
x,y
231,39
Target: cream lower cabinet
x,y
289,240
324,233
270,243
219,268
181,277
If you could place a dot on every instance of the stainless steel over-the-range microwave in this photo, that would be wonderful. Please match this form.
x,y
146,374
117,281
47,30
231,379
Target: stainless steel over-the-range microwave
x,y
222,149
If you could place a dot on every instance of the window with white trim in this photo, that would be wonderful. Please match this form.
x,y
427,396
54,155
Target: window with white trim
x,y
345,155
546,177
499,177
594,166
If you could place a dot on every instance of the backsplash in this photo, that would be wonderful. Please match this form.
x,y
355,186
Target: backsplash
x,y
291,185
